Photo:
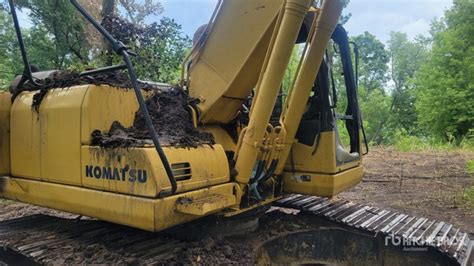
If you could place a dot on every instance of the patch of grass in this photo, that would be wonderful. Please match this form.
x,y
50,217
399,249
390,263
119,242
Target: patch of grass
x,y
470,166
404,142
413,143
469,195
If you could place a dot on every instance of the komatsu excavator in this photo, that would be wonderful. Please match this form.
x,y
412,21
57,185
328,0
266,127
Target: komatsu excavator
x,y
262,150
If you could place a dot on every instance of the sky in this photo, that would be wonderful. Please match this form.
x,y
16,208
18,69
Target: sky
x,y
378,17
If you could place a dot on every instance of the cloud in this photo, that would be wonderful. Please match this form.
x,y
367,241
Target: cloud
x,y
383,16
412,29
378,17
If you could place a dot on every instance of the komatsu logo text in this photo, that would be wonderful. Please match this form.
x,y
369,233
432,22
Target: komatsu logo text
x,y
118,174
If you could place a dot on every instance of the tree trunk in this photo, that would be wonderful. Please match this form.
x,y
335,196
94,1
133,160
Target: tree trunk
x,y
108,9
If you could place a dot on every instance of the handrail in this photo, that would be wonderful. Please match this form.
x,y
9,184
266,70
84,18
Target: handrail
x,y
122,50
27,67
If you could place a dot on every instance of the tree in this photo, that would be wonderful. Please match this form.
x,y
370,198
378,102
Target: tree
x,y
62,26
405,59
37,41
374,61
9,54
160,46
136,13
445,83
108,10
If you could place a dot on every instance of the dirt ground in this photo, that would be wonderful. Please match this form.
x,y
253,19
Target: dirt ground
x,y
429,184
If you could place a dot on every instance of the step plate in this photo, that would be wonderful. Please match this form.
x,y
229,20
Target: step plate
x,y
204,206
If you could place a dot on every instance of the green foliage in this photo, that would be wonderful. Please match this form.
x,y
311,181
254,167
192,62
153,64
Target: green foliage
x,y
374,60
136,12
470,166
374,106
292,67
58,40
160,47
9,54
58,28
403,141
405,59
445,83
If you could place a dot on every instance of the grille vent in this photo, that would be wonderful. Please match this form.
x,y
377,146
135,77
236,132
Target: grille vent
x,y
181,171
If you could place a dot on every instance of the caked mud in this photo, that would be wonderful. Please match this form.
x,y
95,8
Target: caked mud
x,y
170,115
169,110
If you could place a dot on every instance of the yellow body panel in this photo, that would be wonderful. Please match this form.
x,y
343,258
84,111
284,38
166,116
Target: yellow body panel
x,y
222,137
228,66
139,171
143,213
54,152
317,172
103,105
324,185
5,108
25,141
302,159
60,128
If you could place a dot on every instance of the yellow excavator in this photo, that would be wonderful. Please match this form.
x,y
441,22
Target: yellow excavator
x,y
263,146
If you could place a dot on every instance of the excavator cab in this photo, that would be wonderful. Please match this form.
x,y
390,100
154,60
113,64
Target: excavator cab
x,y
319,163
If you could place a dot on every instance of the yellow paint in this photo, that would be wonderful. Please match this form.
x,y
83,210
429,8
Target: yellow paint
x,y
60,140
222,137
302,159
326,22
144,213
324,185
25,138
53,151
103,105
5,108
205,205
208,167
227,68
294,12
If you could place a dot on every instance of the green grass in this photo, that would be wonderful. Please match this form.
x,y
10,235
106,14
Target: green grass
x,y
413,143
470,166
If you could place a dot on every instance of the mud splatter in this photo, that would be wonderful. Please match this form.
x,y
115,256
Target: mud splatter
x,y
170,117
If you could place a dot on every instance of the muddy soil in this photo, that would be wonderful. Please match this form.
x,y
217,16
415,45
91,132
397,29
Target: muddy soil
x,y
206,248
66,79
170,117
169,110
429,184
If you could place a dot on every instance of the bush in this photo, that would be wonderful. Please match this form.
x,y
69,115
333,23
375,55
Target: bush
x,y
404,142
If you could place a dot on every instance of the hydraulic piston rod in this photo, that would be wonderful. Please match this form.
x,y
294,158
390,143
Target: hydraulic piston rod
x,y
325,25
294,12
